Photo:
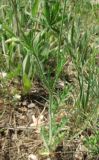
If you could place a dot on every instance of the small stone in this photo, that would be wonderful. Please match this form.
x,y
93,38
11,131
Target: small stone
x,y
32,157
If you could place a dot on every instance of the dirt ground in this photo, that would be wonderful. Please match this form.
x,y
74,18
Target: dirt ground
x,y
20,122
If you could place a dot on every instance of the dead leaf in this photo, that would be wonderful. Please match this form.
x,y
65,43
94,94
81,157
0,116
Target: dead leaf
x,y
37,122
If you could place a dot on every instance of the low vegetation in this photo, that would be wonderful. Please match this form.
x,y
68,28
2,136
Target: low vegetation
x,y
49,75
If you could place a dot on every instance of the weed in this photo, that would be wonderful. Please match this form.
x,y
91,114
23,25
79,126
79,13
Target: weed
x,y
37,39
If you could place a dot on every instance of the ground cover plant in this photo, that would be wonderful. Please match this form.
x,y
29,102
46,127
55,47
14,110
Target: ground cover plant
x,y
49,79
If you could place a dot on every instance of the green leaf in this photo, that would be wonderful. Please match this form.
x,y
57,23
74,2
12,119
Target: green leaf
x,y
15,72
35,7
26,64
26,83
47,12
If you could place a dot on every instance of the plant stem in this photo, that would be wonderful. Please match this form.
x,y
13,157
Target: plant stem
x,y
50,117
59,46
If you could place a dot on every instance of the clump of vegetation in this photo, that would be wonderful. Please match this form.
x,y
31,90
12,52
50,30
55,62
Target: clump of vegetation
x,y
92,143
54,44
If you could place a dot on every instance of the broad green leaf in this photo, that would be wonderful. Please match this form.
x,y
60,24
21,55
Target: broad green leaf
x,y
35,7
25,63
26,83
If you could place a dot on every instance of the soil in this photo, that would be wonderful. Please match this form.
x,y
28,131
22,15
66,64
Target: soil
x,y
19,125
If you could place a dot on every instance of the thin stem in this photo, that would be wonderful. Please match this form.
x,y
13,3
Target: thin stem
x,y
42,72
51,92
50,117
59,46
17,26
60,35
14,4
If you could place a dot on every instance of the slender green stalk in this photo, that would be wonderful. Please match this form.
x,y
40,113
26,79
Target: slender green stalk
x,y
43,77
60,35
59,46
14,5
56,78
50,117
16,25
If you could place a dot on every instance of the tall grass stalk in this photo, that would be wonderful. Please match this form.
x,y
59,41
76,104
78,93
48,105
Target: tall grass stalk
x,y
59,56
56,76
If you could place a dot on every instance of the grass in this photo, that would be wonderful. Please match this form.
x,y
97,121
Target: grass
x,y
42,40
